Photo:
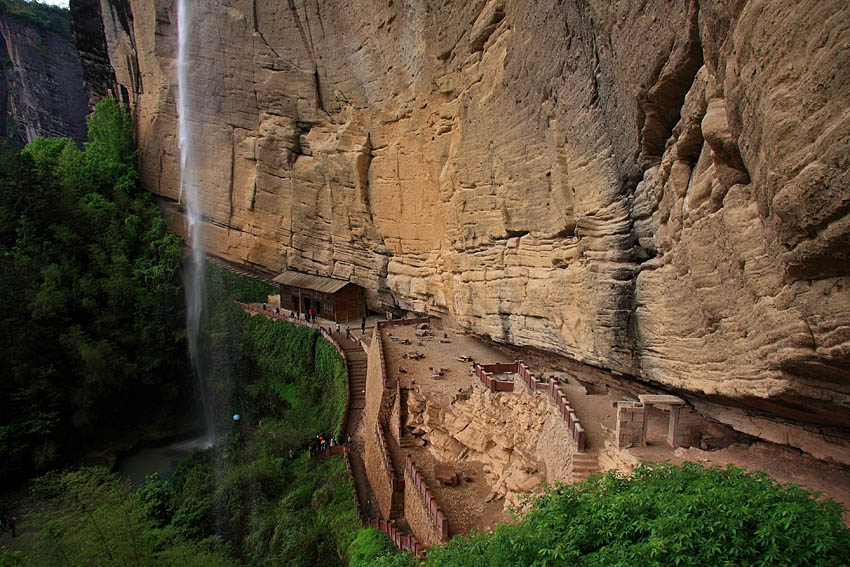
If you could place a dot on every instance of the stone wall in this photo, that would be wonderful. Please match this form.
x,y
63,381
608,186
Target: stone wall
x,y
379,404
630,419
655,188
421,510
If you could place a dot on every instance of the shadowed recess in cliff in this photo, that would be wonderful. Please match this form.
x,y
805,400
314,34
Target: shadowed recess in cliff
x,y
661,103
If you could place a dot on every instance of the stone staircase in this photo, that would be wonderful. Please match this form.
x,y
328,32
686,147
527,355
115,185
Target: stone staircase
x,y
357,364
583,465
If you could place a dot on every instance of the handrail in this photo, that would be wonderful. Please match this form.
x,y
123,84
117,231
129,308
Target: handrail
x,y
402,541
282,316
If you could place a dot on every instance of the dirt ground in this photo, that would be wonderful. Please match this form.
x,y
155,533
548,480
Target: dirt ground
x,y
465,506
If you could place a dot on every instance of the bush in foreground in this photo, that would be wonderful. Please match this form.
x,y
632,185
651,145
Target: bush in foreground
x,y
661,515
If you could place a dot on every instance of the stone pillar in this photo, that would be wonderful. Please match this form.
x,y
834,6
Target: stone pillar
x,y
673,430
631,424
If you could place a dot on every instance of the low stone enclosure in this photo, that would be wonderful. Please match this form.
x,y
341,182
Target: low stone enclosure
x,y
485,373
437,524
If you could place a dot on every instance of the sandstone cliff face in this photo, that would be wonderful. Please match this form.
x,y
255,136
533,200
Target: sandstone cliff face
x,y
42,84
657,188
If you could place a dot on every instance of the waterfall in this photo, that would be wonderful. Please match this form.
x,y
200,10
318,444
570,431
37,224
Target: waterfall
x,y
190,201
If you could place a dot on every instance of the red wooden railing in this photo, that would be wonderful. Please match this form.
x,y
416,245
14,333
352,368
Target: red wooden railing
x,y
485,372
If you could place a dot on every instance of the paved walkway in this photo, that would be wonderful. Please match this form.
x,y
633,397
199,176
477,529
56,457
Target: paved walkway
x,y
357,364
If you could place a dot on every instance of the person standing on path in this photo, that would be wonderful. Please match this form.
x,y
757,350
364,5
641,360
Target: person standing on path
x,y
337,327
363,326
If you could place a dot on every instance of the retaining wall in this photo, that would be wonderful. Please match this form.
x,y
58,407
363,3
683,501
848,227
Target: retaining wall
x,y
402,541
566,412
421,510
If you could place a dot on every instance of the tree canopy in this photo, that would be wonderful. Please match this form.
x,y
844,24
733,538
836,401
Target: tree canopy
x,y
92,304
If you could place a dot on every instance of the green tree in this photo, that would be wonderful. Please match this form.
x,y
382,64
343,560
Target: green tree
x,y
91,298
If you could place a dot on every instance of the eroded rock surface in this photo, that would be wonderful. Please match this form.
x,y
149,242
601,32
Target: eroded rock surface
x,y
656,188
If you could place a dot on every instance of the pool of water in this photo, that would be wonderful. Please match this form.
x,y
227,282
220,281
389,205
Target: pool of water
x,y
163,460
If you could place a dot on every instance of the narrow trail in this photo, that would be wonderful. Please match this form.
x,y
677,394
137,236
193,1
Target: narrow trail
x,y
357,364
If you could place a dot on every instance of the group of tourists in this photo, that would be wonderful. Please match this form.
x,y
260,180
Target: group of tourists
x,y
322,443
310,317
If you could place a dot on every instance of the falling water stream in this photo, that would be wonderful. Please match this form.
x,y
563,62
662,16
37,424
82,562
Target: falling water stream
x,y
190,201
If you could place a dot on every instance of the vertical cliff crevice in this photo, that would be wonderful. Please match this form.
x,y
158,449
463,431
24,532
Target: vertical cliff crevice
x,y
89,36
660,104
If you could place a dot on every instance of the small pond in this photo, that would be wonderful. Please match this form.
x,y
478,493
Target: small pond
x,y
163,460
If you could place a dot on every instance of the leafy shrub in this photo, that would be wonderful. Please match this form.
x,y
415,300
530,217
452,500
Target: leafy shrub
x,y
91,297
662,515
156,500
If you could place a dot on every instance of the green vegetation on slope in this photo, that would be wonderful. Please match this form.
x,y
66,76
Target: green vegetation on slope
x,y
244,501
92,305
660,515
288,386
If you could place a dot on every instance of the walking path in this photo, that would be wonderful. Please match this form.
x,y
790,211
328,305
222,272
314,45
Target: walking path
x,y
356,365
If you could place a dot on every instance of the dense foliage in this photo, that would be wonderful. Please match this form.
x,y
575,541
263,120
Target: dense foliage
x,y
661,515
88,517
247,500
288,386
92,305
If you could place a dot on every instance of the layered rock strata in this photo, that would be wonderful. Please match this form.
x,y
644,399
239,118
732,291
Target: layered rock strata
x,y
657,188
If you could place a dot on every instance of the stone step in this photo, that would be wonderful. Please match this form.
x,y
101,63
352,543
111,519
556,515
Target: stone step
x,y
586,457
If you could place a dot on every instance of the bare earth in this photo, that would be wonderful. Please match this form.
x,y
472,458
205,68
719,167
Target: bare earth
x,y
465,505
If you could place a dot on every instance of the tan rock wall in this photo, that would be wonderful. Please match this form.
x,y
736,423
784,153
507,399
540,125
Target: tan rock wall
x,y
656,188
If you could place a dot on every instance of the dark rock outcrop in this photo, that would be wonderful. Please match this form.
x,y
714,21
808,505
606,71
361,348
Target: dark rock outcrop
x,y
42,87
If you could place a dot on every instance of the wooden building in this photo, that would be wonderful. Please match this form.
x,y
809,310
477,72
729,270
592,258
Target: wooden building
x,y
329,298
